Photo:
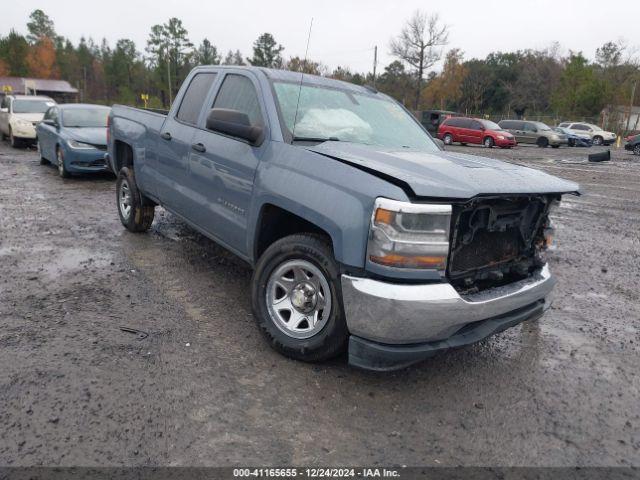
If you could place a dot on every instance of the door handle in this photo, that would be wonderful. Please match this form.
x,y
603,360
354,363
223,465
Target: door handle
x,y
166,136
198,147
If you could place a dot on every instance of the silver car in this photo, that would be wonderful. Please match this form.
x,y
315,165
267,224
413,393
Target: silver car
x,y
536,133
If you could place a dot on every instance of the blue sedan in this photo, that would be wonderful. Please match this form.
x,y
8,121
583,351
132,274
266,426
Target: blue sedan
x,y
74,137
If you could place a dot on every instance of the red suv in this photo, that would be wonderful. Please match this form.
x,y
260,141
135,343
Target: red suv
x,y
474,130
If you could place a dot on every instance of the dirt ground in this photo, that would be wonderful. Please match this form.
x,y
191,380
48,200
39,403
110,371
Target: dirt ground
x,y
203,388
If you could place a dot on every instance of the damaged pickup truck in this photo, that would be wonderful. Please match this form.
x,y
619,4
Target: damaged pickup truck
x,y
363,233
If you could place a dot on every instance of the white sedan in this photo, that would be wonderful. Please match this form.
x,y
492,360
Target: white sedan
x,y
597,134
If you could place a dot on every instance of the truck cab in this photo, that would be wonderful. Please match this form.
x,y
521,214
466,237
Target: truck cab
x,y
364,235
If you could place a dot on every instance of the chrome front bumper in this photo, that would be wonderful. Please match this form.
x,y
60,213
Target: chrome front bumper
x,y
393,313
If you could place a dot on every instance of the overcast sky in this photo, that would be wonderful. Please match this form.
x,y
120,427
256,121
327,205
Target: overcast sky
x,y
345,31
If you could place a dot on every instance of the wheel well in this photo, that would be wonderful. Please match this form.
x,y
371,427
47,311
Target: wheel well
x,y
276,223
124,155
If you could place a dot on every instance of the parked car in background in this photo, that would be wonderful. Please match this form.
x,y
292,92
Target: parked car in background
x,y
597,134
363,234
534,133
629,135
432,119
19,115
74,138
474,130
574,139
633,144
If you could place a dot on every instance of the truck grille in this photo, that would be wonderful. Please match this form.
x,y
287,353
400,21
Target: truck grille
x,y
494,241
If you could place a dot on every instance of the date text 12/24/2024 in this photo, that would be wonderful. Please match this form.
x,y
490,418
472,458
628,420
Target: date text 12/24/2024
x,y
315,473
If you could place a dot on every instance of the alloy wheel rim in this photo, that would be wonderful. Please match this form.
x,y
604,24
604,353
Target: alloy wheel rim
x,y
298,299
636,150
124,199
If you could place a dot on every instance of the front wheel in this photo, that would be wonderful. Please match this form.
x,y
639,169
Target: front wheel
x,y
297,300
447,139
636,149
488,142
543,142
62,169
135,210
598,140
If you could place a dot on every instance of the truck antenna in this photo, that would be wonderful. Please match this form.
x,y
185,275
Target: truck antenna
x,y
304,64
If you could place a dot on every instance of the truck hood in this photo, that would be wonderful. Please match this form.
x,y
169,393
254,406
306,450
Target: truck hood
x,y
446,174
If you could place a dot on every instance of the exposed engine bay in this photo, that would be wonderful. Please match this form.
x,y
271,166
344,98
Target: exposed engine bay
x,y
496,241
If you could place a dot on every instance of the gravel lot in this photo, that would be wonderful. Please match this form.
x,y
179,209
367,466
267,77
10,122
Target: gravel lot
x,y
204,388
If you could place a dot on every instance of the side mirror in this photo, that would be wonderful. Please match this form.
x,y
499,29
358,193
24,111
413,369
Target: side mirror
x,y
50,122
234,124
439,143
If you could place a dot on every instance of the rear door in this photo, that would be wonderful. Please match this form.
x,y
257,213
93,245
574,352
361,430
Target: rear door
x,y
530,133
174,145
222,168
474,133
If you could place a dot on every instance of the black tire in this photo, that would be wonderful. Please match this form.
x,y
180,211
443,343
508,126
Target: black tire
x,y
448,139
572,142
62,170
141,210
636,149
598,140
542,142
488,142
555,146
328,342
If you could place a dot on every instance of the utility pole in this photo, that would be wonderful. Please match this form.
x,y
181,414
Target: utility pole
x,y
375,63
633,96
169,76
84,82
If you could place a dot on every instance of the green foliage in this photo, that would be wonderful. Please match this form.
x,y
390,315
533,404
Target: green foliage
x,y
207,54
40,26
266,52
579,92
14,49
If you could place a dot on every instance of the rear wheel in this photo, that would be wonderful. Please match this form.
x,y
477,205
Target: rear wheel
x,y
135,210
543,142
296,298
572,142
636,149
555,146
488,142
62,169
598,140
447,139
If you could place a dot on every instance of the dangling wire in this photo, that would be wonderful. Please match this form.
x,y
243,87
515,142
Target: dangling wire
x,y
304,64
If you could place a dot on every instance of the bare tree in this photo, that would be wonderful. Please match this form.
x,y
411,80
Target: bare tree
x,y
418,45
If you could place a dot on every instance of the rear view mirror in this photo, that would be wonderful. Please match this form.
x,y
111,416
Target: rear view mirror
x,y
234,124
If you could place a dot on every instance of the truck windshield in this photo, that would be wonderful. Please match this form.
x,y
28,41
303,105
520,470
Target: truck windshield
x,y
31,106
329,114
85,117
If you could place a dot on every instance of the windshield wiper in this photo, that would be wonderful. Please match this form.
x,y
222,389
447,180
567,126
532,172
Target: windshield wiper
x,y
316,139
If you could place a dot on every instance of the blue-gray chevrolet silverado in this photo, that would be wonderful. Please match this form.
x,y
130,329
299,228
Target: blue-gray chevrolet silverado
x,y
364,235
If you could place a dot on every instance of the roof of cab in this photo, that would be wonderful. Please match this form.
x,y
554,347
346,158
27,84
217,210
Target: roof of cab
x,y
309,79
